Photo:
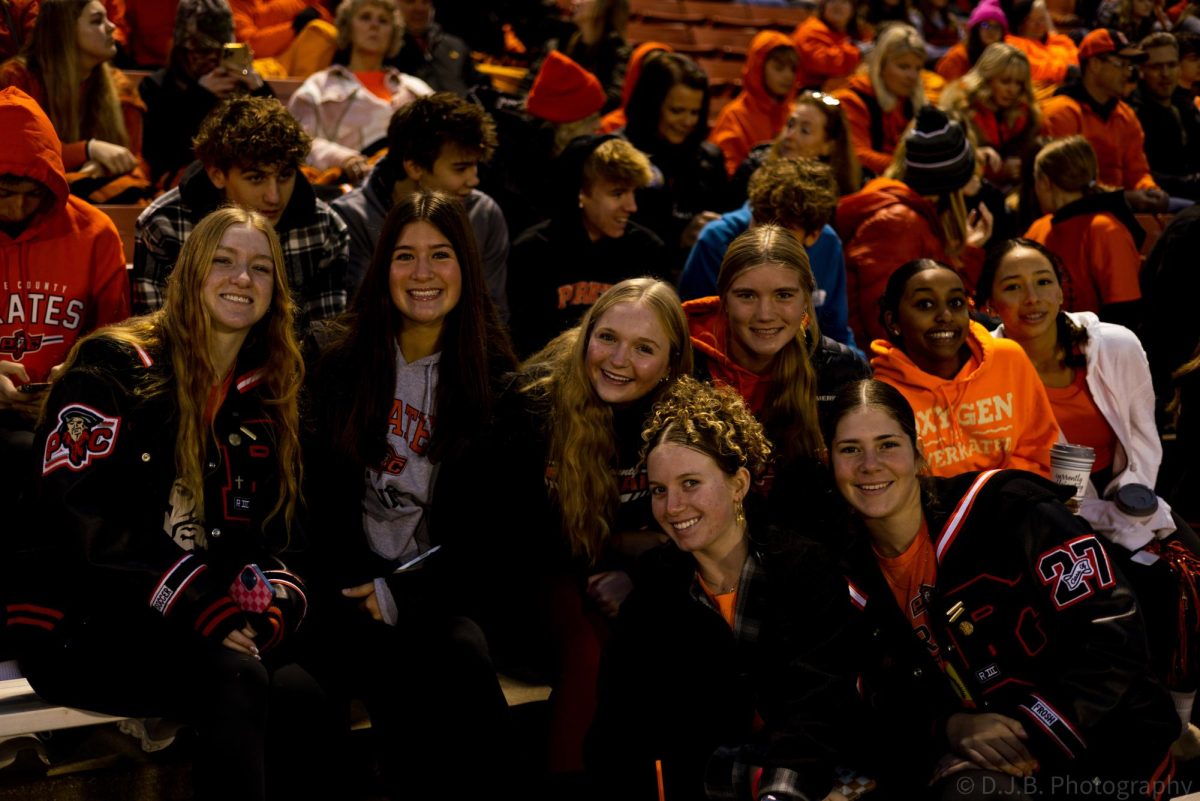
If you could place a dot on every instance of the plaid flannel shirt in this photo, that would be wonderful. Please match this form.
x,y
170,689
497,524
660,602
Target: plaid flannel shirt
x,y
730,772
315,246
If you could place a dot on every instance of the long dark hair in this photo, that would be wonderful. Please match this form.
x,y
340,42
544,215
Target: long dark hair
x,y
474,345
645,104
1071,338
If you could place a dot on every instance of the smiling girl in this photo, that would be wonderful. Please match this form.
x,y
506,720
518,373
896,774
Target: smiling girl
x,y
978,401
406,386
1005,649
567,436
730,653
169,487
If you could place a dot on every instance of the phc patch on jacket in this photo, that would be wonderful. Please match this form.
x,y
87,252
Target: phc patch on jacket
x,y
83,435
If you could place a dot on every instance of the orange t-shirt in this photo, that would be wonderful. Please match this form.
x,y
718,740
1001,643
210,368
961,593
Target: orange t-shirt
x,y
216,397
1081,421
375,83
726,602
910,576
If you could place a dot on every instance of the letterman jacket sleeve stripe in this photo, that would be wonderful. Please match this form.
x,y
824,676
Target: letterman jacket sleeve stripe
x,y
954,524
215,615
174,581
1054,724
857,596
1161,780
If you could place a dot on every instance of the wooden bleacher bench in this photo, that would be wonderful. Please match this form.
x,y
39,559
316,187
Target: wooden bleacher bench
x,y
22,712
124,217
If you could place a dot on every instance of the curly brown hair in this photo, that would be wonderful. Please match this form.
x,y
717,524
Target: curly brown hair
x,y
251,132
711,420
798,194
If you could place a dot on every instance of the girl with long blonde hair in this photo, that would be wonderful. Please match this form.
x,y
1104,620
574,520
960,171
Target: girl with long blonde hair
x,y
568,438
880,101
64,66
996,100
169,491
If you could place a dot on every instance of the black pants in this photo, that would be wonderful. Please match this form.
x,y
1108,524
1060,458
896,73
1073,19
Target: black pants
x,y
439,720
264,728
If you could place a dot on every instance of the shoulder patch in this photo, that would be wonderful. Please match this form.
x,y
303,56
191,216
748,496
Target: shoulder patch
x,y
1075,570
82,436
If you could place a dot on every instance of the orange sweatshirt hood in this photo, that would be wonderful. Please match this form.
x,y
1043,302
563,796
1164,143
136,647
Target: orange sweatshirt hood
x,y
33,152
709,331
877,195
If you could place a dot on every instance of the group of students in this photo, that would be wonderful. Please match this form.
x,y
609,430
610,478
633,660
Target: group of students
x,y
744,566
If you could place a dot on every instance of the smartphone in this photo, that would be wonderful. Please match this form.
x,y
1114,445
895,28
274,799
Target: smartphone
x,y
251,591
31,388
237,58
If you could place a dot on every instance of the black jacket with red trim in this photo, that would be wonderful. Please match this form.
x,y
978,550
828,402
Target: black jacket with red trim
x,y
1033,620
114,535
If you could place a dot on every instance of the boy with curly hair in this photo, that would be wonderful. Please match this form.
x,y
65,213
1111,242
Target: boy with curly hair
x,y
249,152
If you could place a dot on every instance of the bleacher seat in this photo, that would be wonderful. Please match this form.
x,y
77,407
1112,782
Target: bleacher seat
x,y
124,217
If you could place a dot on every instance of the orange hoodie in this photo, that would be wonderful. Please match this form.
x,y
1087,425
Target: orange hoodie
x,y
883,226
993,414
64,274
709,330
615,119
876,157
824,53
754,116
266,25
1049,60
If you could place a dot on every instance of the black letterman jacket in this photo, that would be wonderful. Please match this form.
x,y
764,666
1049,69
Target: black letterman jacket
x,y
1033,621
108,542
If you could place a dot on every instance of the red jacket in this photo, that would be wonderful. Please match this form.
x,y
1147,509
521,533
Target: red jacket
x,y
709,330
151,28
1116,135
266,25
754,116
24,15
64,275
993,414
824,52
1097,239
875,156
615,119
882,227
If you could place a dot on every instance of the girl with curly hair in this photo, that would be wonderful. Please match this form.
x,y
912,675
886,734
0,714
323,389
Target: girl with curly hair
x,y
730,654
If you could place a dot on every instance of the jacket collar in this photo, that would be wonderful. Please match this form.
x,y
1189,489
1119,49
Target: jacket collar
x,y
1076,91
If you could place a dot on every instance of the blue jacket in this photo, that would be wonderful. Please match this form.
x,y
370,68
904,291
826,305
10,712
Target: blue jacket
x,y
699,277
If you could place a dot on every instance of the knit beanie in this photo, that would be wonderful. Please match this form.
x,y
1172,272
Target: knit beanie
x,y
988,12
563,91
938,158
208,21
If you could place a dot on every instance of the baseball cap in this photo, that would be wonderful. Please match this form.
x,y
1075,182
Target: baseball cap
x,y
1109,40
